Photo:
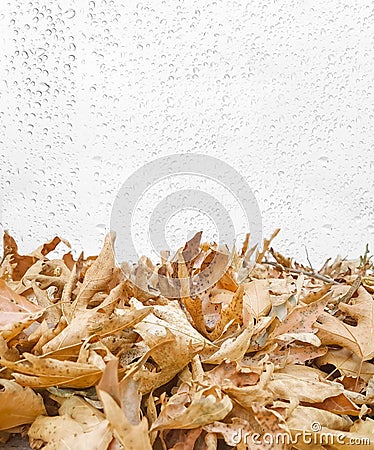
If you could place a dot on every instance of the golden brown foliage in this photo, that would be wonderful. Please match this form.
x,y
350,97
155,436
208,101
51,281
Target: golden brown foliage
x,y
272,355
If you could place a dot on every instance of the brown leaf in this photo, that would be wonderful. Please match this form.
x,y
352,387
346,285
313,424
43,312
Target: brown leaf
x,y
42,372
299,324
129,429
172,341
232,348
78,426
182,439
302,383
360,338
232,313
248,394
348,363
12,396
188,409
98,275
313,296
339,405
18,264
95,321
257,298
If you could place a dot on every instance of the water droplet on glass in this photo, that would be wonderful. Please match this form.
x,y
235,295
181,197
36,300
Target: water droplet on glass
x,y
70,13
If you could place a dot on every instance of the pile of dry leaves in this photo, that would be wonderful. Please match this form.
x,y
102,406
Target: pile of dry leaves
x,y
272,355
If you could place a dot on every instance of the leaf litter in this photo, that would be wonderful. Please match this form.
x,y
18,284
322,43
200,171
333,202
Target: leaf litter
x,y
271,355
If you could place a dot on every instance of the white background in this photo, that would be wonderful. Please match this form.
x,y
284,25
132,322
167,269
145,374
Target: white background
x,y
280,90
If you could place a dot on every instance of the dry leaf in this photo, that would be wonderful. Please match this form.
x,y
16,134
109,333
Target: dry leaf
x,y
302,385
39,372
123,413
95,321
172,341
257,298
78,426
186,409
360,338
232,348
348,363
12,395
14,307
98,275
244,356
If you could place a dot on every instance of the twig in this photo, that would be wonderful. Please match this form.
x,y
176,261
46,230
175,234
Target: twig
x,y
266,245
307,258
352,290
304,272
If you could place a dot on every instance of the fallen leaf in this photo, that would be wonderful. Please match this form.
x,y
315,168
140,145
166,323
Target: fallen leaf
x,y
79,425
256,299
360,338
12,395
348,363
123,413
232,348
186,409
304,386
339,405
98,275
302,319
39,372
172,341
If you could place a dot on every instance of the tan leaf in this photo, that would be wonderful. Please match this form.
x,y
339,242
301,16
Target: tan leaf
x,y
17,322
313,296
43,250
52,312
300,321
303,417
131,436
363,429
348,363
257,298
360,338
172,341
98,275
121,402
339,405
186,410
42,372
195,308
16,312
12,396
247,394
309,338
232,432
232,348
295,354
78,426
11,302
95,321
331,429
303,384
302,318
232,313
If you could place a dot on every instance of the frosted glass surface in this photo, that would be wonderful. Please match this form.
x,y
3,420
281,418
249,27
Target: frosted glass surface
x,y
280,90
